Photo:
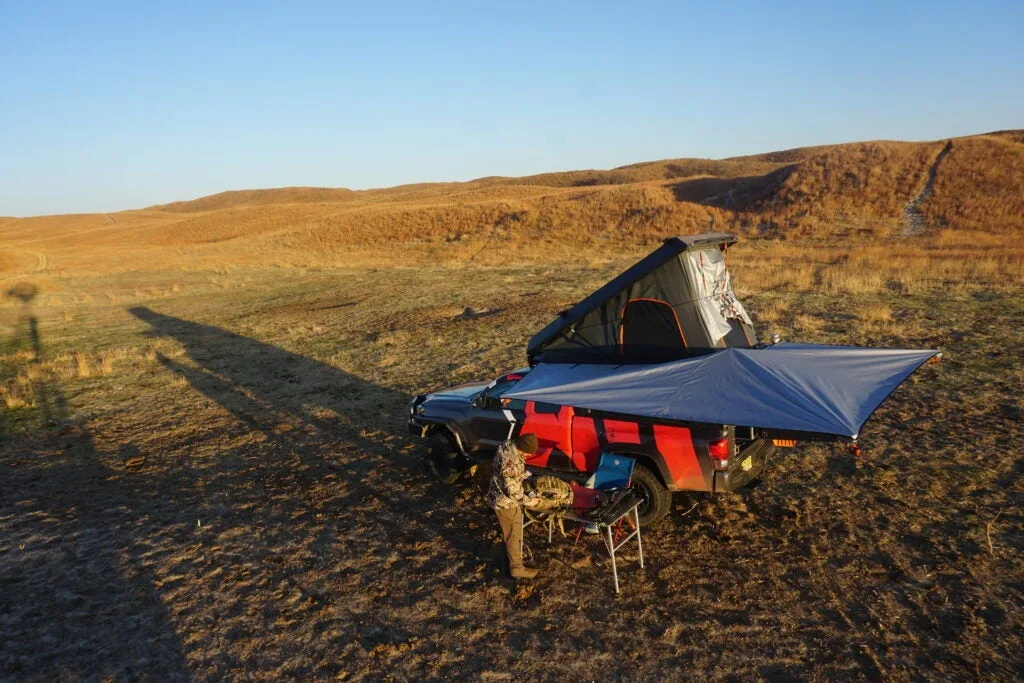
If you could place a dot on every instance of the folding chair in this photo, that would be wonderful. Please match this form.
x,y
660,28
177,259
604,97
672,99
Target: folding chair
x,y
613,476
608,486
613,472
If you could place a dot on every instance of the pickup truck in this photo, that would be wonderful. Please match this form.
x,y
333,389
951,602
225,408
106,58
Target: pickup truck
x,y
666,339
465,424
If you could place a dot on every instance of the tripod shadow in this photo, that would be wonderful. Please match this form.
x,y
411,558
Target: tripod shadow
x,y
75,599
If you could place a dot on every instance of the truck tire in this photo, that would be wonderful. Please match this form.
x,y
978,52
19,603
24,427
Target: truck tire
x,y
657,500
443,460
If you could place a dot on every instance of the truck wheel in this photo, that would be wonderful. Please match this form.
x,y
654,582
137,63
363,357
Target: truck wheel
x,y
443,460
657,500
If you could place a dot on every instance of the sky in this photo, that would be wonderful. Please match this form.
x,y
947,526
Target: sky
x,y
115,105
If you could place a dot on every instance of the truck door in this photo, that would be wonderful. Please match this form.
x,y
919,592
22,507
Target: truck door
x,y
552,424
586,445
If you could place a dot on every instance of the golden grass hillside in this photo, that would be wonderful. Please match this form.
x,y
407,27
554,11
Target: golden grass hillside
x,y
855,191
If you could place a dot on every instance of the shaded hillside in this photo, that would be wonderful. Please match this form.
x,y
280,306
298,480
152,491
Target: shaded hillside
x,y
862,189
642,172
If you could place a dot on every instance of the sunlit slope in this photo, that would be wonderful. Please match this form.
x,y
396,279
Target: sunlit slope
x,y
856,191
284,195
980,185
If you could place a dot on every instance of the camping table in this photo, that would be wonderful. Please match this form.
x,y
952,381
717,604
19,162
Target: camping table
x,y
605,518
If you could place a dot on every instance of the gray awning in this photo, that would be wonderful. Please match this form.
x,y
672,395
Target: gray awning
x,y
792,387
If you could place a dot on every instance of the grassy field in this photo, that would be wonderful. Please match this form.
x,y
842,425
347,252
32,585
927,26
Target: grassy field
x,y
206,471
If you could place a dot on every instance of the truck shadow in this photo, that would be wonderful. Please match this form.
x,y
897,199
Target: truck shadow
x,y
326,483
294,401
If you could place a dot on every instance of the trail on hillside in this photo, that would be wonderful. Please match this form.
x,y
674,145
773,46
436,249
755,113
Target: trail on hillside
x,y
913,221
41,264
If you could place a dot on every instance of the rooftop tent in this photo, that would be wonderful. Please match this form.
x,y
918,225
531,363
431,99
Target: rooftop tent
x,y
674,303
788,387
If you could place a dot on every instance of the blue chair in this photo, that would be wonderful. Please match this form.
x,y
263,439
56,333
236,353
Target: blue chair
x,y
613,472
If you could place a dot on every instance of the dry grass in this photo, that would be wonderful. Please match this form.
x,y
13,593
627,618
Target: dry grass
x,y
82,366
875,312
204,434
980,187
19,393
241,481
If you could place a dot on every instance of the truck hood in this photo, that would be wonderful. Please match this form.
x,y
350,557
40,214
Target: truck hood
x,y
461,392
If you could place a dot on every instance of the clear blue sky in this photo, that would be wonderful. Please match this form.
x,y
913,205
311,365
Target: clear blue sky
x,y
108,106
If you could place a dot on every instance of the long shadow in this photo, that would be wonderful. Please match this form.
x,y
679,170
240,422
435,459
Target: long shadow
x,y
305,406
336,501
76,602
286,396
304,524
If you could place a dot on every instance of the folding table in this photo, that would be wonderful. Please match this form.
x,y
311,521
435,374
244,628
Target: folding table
x,y
606,518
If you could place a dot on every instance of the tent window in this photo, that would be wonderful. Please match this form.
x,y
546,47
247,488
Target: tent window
x,y
716,300
650,326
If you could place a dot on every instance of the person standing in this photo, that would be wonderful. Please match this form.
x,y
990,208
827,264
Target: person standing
x,y
505,495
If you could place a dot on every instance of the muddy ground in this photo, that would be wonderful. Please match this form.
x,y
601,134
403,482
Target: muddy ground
x,y
233,504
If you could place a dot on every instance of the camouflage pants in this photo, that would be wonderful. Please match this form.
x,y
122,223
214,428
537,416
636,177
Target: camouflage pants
x,y
511,522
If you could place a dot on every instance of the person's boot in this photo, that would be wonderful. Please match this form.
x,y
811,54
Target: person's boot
x,y
522,572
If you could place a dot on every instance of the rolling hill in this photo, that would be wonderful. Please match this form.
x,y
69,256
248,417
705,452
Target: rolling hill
x,y
857,191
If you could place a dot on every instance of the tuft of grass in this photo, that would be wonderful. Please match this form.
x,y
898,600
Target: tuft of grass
x,y
19,393
875,312
82,366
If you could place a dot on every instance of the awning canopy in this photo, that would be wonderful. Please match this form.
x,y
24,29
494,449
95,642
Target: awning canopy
x,y
790,387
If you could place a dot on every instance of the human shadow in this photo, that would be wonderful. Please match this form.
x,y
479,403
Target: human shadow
x,y
76,602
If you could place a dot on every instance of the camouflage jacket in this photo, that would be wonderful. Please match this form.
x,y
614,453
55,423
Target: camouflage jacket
x,y
507,476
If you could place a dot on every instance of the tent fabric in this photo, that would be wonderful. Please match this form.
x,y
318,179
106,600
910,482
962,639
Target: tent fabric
x,y
791,387
597,329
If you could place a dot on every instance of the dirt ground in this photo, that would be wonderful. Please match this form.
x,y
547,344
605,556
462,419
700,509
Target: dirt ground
x,y
236,497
